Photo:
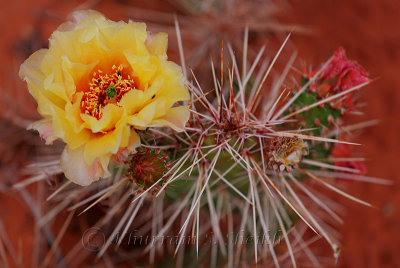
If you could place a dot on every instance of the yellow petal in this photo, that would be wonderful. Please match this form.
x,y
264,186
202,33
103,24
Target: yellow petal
x,y
144,68
172,89
175,118
30,71
155,87
79,17
132,101
74,72
147,114
135,100
157,44
111,115
133,35
64,130
102,144
58,89
73,113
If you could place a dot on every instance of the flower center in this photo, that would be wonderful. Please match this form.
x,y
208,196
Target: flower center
x,y
285,153
105,89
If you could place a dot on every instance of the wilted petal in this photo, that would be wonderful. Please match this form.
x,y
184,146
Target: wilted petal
x,y
45,129
78,171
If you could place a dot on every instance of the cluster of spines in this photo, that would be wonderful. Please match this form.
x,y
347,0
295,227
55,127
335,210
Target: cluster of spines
x,y
147,166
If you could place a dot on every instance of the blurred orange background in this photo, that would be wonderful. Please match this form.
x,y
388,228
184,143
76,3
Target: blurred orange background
x,y
367,29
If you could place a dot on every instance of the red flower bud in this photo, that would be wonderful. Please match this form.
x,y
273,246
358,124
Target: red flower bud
x,y
341,74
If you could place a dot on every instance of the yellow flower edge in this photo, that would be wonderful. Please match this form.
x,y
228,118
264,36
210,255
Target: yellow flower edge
x,y
98,81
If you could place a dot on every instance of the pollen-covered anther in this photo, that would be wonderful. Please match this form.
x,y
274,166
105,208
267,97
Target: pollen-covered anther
x,y
284,153
105,88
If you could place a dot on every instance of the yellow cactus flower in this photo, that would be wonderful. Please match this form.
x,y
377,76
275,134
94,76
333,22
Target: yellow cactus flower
x,y
98,81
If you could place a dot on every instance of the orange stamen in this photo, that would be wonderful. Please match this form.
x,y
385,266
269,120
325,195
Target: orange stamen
x,y
95,99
